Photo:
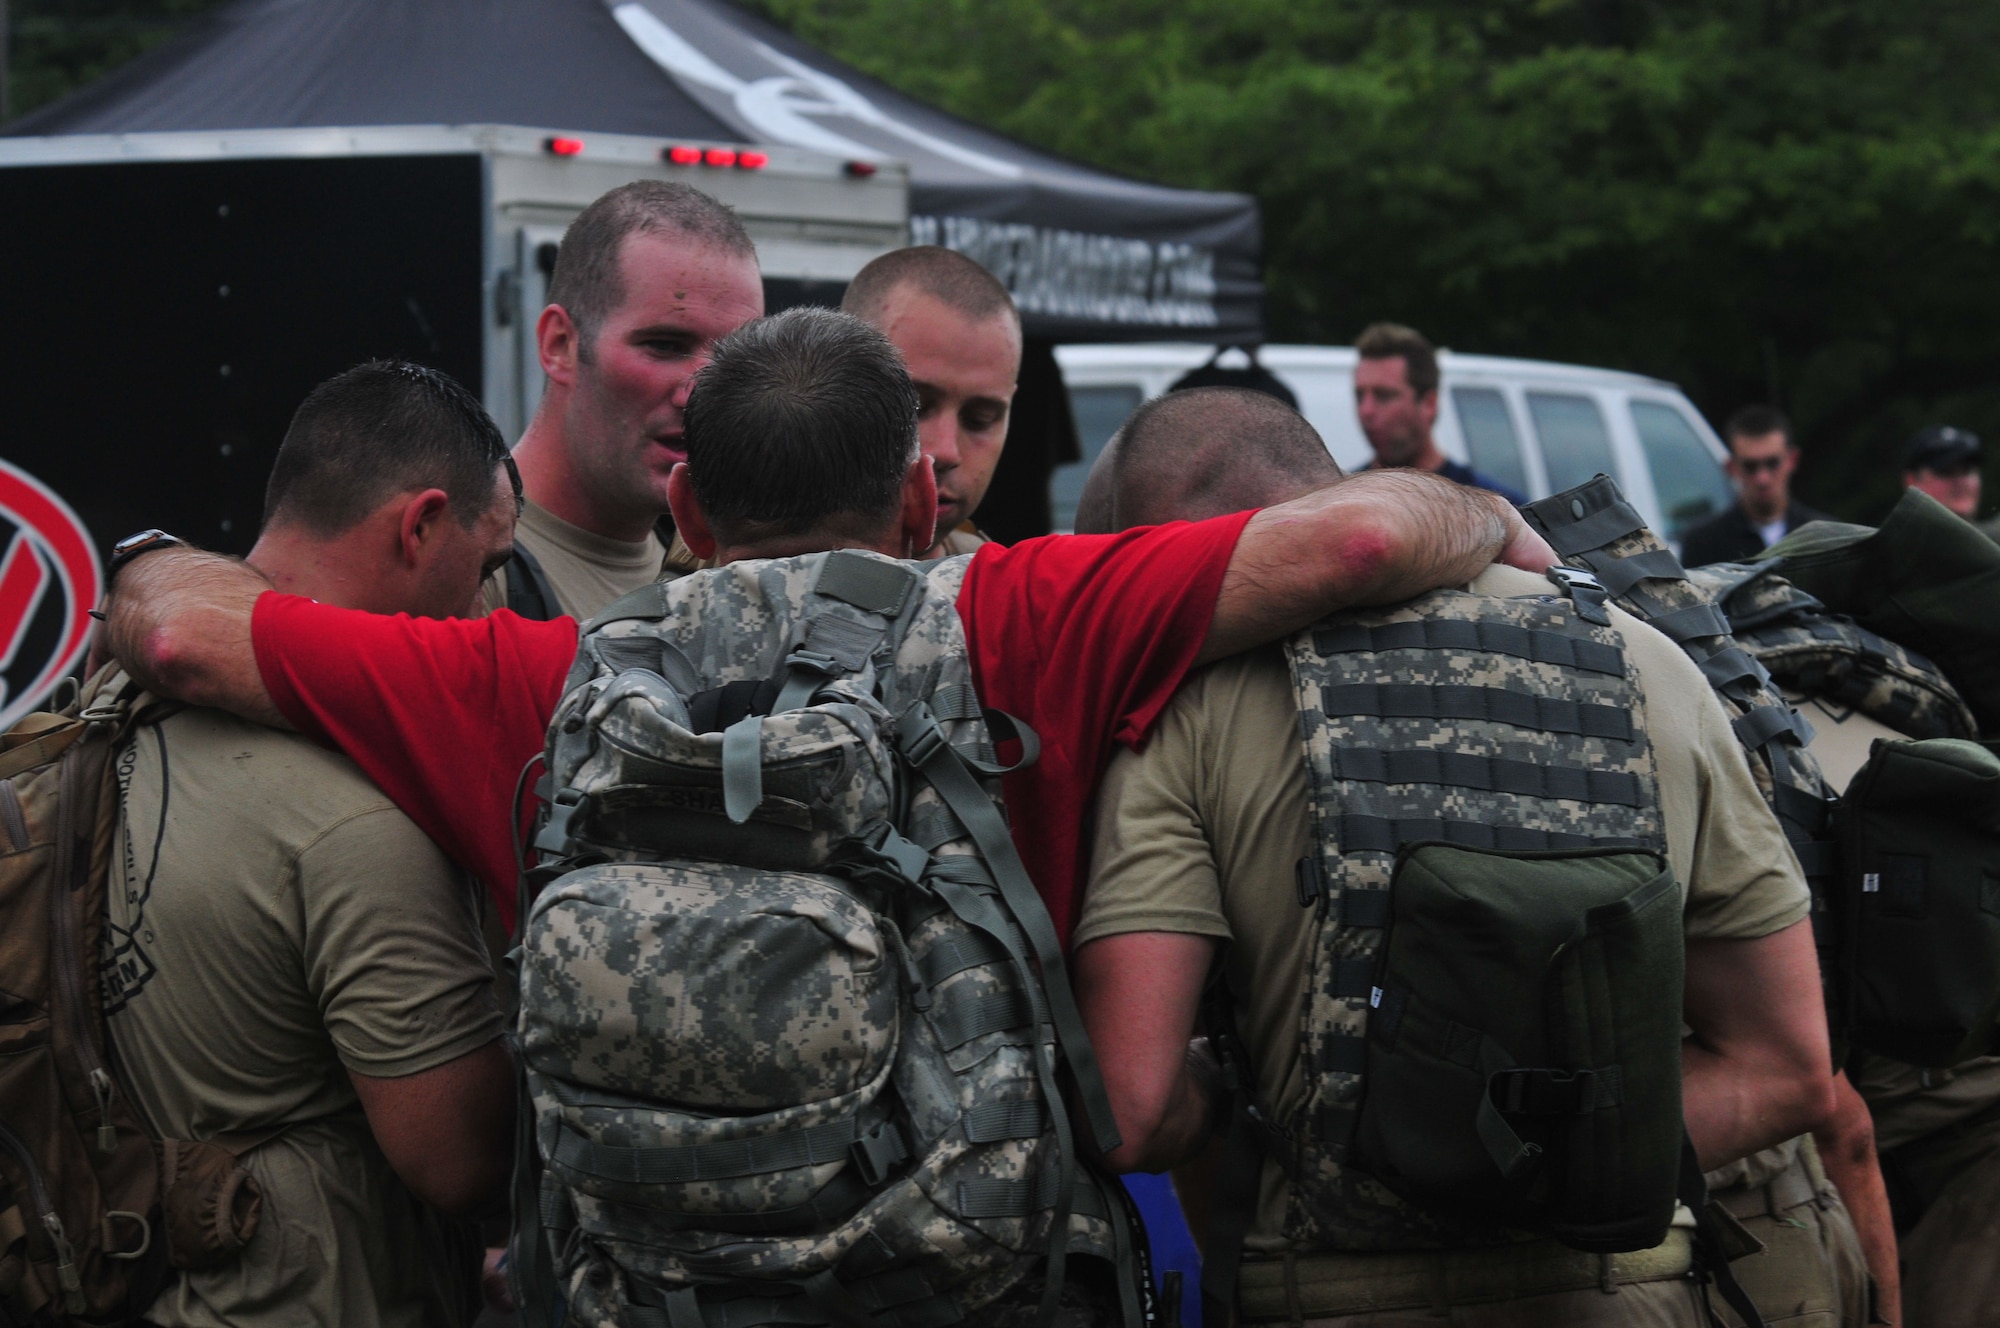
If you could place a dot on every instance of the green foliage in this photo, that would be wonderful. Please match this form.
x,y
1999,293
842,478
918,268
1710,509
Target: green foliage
x,y
1780,198
60,45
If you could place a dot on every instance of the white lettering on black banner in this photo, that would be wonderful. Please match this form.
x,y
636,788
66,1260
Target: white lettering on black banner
x,y
1083,277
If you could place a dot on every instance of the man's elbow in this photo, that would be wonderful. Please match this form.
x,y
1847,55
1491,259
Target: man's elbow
x,y
1366,550
1805,1101
460,1179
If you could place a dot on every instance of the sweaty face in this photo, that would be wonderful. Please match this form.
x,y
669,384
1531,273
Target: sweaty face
x,y
965,371
1396,420
458,560
622,426
1762,468
1957,487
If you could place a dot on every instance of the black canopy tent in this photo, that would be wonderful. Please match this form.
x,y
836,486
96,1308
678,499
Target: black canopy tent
x,y
1088,255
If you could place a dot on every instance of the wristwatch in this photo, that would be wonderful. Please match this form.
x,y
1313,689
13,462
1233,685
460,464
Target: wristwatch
x,y
138,546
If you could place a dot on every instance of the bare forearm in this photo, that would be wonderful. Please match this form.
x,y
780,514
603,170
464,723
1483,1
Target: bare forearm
x,y
1847,1148
1756,1071
1375,538
1139,993
179,621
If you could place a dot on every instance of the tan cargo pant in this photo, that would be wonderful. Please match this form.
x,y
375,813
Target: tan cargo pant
x,y
1812,1273
1951,1260
1539,1285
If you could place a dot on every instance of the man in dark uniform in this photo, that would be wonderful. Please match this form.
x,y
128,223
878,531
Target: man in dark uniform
x,y
1762,457
1396,400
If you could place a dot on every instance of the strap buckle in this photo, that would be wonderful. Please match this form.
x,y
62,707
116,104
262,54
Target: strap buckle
x,y
1585,591
1545,1092
919,736
878,1152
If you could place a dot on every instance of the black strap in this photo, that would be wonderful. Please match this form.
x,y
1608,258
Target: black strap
x,y
1710,1259
1430,767
1381,834
1531,643
1492,704
528,590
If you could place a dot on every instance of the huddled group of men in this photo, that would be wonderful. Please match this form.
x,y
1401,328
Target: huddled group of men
x,y
319,854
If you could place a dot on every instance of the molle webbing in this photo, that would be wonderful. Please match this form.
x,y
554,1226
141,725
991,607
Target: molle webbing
x,y
1484,722
1594,526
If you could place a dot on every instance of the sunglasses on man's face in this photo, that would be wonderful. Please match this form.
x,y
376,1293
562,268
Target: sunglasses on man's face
x,y
1753,465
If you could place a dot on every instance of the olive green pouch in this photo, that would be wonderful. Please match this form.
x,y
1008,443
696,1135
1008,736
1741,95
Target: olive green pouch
x,y
1524,1051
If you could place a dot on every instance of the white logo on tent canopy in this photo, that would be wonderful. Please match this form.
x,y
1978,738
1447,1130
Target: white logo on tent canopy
x,y
775,107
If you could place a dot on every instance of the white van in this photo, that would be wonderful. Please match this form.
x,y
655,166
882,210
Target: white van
x,y
1538,427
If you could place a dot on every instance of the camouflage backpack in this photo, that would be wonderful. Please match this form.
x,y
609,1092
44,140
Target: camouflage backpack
x,y
792,1017
1808,649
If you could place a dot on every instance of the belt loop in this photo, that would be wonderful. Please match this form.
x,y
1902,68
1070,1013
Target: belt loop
x,y
1607,1275
1293,1303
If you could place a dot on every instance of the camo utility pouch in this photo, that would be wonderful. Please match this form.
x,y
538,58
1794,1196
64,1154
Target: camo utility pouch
x,y
1523,1059
714,775
709,1045
1919,892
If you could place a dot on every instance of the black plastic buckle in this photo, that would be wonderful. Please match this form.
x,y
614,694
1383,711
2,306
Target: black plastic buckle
x,y
919,736
878,1153
1545,1092
1585,591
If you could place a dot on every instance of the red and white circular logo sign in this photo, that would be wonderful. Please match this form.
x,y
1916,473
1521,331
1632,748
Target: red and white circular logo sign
x,y
49,580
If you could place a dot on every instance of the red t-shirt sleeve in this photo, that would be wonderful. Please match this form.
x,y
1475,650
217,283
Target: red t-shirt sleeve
x,y
1086,638
441,713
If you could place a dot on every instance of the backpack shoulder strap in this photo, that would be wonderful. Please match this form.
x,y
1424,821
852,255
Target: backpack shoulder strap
x,y
528,590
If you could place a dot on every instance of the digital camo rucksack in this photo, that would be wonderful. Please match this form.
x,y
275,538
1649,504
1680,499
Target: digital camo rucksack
x,y
790,1056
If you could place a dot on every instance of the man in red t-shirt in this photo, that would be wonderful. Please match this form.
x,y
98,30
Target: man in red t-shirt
x,y
1083,638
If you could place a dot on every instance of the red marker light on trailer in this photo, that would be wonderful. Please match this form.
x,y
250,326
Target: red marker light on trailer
x,y
563,147
719,157
682,155
860,170
753,161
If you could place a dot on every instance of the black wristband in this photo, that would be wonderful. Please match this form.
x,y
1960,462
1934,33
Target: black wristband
x,y
138,546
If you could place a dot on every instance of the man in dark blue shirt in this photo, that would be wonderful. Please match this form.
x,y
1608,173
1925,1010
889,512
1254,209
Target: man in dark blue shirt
x,y
1396,398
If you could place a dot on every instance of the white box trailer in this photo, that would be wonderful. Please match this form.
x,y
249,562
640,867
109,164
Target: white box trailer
x,y
169,298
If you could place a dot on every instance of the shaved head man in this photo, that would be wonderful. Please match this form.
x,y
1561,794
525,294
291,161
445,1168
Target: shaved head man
x,y
1201,452
960,337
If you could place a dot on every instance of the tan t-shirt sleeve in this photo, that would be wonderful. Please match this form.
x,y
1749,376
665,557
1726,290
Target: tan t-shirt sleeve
x,y
392,949
1151,865
1742,879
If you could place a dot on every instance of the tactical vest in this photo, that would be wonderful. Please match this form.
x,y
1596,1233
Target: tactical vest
x,y
793,1015
1503,734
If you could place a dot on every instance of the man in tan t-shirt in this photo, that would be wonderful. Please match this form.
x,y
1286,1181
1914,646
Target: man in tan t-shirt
x,y
289,956
1195,846
646,280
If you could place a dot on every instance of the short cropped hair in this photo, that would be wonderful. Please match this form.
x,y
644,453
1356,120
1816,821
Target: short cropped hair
x,y
587,282
943,274
1386,341
382,428
1206,451
800,421
1754,422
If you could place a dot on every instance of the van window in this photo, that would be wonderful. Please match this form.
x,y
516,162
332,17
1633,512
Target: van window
x,y
1686,476
1575,443
1490,439
1098,412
